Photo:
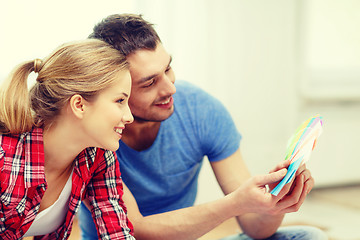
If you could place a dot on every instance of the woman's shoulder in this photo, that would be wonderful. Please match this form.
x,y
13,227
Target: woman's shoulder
x,y
96,157
9,141
14,145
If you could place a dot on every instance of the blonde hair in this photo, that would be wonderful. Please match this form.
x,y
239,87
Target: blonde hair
x,y
84,67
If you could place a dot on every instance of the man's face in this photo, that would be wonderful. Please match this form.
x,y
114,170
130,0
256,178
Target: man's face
x,y
152,84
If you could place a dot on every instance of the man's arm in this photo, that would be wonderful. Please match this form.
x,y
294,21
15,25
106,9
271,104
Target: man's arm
x,y
193,222
232,172
187,223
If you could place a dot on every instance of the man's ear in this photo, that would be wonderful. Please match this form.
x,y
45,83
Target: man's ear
x,y
77,103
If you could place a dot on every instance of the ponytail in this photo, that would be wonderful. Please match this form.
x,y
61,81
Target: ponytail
x,y
84,67
15,111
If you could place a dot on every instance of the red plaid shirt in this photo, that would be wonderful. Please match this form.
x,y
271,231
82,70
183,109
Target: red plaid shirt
x,y
96,177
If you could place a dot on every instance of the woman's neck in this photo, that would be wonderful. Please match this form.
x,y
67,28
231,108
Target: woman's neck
x,y
60,147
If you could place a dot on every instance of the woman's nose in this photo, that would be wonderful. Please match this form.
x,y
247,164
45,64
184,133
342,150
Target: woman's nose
x,y
128,117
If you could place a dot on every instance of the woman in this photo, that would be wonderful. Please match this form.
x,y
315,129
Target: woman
x,y
53,139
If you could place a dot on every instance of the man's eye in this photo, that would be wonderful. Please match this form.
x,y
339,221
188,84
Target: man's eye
x,y
168,69
150,82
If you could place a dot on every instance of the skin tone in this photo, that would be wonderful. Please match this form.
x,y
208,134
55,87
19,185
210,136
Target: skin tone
x,y
151,102
83,124
258,212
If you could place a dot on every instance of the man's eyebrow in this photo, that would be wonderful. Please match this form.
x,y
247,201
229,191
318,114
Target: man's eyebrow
x,y
144,79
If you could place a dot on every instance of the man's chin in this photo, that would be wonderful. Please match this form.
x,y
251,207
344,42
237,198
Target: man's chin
x,y
152,119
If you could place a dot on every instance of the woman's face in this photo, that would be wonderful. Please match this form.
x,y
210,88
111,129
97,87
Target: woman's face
x,y
106,117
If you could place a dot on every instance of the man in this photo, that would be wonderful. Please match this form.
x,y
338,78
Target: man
x,y
161,152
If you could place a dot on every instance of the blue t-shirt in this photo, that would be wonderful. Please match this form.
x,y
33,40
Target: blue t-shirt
x,y
164,177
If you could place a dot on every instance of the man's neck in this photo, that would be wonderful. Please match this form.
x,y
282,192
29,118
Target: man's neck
x,y
140,135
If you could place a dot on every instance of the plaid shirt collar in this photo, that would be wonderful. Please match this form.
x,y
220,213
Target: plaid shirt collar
x,y
28,152
34,173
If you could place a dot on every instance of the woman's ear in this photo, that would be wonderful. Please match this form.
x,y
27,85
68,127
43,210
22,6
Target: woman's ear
x,y
77,103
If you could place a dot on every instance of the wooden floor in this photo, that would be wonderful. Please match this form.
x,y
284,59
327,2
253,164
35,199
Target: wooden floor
x,y
335,210
227,228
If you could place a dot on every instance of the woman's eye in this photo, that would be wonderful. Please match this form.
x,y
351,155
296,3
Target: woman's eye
x,y
168,69
121,100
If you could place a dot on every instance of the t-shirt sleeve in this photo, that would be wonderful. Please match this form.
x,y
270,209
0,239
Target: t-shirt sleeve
x,y
216,130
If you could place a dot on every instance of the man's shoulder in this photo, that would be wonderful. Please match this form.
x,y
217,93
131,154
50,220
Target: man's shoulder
x,y
187,87
187,91
193,103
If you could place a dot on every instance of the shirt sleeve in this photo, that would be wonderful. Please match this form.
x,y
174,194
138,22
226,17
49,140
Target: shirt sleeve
x,y
104,192
217,131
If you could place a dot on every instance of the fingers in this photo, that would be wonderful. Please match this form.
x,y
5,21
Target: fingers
x,y
293,194
295,197
295,207
290,198
307,177
286,190
271,177
283,164
301,169
309,184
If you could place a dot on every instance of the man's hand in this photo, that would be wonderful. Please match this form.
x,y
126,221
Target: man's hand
x,y
253,197
300,186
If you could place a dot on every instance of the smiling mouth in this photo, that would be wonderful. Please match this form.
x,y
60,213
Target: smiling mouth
x,y
164,103
118,130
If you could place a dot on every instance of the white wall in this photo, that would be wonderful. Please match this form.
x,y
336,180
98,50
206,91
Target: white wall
x,y
328,54
249,54
243,53
33,29
255,57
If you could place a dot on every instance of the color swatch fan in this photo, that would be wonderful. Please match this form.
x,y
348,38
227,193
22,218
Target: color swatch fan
x,y
299,148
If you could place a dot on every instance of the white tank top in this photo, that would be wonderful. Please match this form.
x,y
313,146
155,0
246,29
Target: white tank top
x,y
50,219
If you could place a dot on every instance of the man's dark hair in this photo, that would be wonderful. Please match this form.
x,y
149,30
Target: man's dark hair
x,y
126,33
